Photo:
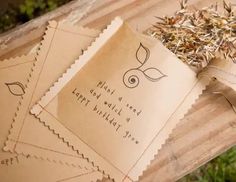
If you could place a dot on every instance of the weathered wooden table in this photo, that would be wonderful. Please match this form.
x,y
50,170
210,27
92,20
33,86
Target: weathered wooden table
x,y
207,130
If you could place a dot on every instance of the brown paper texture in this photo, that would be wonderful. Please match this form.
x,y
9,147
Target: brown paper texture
x,y
21,169
120,100
223,70
62,44
15,167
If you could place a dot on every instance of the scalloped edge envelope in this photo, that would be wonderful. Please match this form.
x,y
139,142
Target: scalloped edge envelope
x,y
19,168
118,103
28,136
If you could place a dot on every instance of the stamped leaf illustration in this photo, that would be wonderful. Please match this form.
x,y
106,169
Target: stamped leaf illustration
x,y
142,54
131,77
16,88
153,74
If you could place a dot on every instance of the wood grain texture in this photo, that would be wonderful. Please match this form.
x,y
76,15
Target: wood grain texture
x,y
207,130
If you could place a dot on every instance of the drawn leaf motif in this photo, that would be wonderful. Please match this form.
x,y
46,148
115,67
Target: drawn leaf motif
x,y
142,54
153,74
16,88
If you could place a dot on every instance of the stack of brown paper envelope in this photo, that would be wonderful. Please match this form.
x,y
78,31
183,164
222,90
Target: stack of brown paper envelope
x,y
91,104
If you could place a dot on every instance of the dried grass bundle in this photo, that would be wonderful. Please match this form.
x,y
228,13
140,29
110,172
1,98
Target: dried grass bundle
x,y
198,36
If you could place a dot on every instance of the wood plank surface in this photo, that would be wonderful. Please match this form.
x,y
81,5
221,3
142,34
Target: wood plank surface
x,y
208,129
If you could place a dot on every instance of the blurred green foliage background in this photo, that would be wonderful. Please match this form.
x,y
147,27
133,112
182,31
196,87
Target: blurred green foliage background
x,y
16,14
220,169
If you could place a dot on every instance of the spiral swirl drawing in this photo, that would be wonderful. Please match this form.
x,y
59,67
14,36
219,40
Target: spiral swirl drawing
x,y
131,78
